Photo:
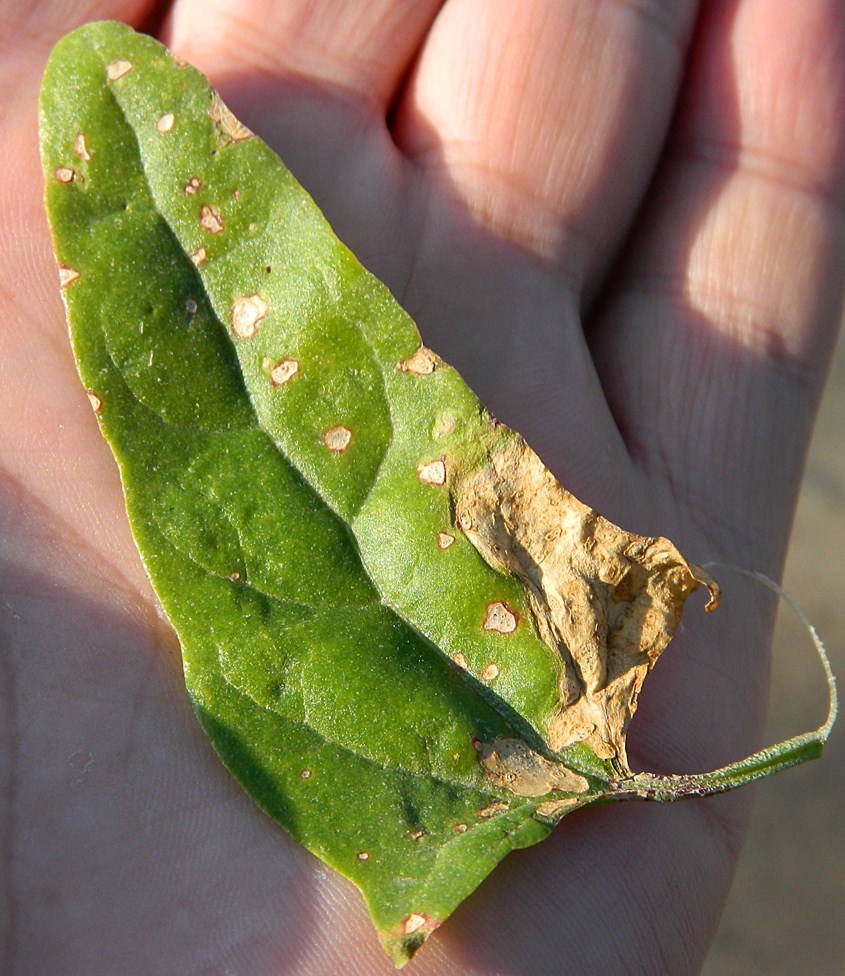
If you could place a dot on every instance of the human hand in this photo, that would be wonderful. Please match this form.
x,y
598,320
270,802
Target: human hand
x,y
648,297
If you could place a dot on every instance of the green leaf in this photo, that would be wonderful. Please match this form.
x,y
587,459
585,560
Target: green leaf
x,y
411,646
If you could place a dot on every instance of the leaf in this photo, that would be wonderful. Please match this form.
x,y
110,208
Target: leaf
x,y
413,648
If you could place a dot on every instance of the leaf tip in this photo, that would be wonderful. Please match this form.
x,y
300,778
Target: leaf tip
x,y
402,943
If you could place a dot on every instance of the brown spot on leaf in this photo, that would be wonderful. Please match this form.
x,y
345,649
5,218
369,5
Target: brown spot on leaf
x,y
246,315
337,439
235,577
515,766
64,174
80,147
118,69
165,122
444,425
210,219
432,472
306,774
500,619
606,600
95,401
363,855
557,809
67,276
460,660
492,811
191,306
229,127
416,834
283,371
490,672
193,186
413,923
199,256
422,363
460,828
444,540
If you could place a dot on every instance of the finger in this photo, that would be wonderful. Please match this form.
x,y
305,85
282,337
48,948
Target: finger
x,y
358,51
30,28
316,80
733,282
519,117
545,116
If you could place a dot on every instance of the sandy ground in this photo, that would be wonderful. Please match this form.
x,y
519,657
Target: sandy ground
x,y
786,914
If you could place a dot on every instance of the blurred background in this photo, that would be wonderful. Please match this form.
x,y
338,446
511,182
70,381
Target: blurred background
x,y
786,913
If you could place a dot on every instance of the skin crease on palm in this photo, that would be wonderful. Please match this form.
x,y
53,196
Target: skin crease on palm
x,y
622,221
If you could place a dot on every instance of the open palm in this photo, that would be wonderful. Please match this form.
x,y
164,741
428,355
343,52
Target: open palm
x,y
621,220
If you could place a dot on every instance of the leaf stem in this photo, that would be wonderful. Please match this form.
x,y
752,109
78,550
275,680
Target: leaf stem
x,y
791,752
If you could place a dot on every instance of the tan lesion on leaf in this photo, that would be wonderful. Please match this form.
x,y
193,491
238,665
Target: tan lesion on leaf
x,y
115,70
246,315
422,363
499,618
513,765
80,147
608,601
210,219
283,371
64,175
557,809
337,439
493,810
67,276
432,472
444,425
413,923
231,130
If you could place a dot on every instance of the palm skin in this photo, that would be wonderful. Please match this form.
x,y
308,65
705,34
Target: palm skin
x,y
622,222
